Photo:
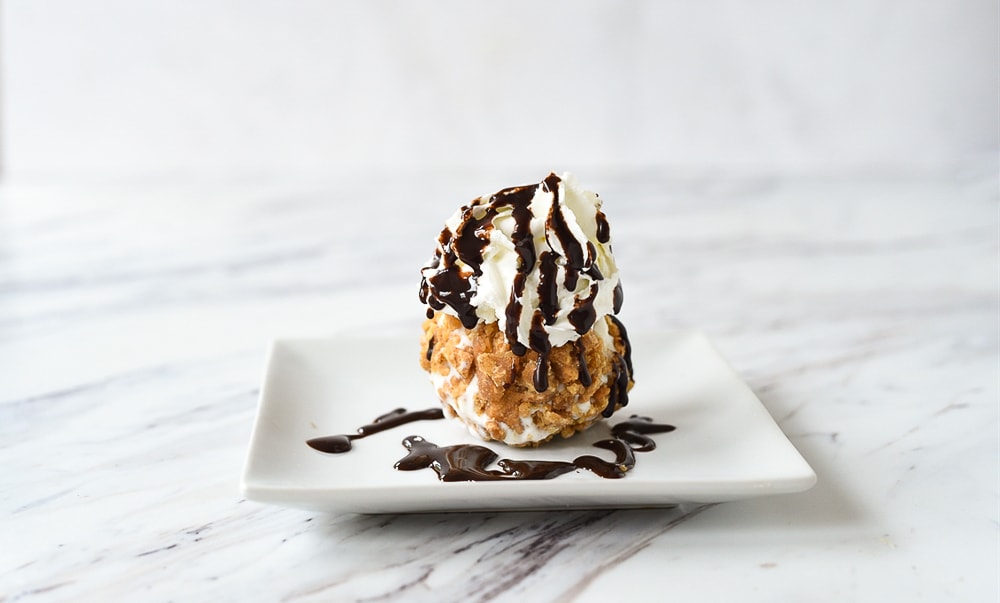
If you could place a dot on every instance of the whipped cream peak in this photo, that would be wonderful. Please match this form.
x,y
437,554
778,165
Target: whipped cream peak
x,y
536,259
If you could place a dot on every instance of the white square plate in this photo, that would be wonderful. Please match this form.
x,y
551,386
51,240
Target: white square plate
x,y
726,445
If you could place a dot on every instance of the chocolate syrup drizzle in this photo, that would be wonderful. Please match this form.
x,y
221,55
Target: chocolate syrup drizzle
x,y
583,373
335,444
450,286
470,462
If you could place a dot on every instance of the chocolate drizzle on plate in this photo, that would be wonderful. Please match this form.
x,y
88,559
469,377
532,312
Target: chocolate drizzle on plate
x,y
336,444
450,277
471,462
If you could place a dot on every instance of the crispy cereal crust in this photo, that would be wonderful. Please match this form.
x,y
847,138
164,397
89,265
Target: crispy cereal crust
x,y
506,392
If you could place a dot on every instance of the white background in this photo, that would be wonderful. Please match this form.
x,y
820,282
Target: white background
x,y
797,86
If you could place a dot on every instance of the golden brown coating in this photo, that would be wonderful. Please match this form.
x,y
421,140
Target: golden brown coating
x,y
482,382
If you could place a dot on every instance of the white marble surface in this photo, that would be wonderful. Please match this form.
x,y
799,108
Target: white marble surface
x,y
134,318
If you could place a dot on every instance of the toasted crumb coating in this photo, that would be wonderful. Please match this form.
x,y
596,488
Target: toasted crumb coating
x,y
483,383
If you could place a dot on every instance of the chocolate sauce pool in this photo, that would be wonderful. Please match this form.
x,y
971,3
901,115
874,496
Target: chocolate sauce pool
x,y
470,462
449,286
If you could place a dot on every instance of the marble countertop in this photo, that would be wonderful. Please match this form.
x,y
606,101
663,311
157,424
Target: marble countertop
x,y
135,316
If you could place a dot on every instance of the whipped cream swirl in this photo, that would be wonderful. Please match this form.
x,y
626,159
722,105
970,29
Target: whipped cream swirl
x,y
536,259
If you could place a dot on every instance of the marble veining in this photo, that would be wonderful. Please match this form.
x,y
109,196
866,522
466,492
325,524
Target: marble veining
x,y
134,318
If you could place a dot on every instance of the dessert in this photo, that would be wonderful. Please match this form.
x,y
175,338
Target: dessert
x,y
520,340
